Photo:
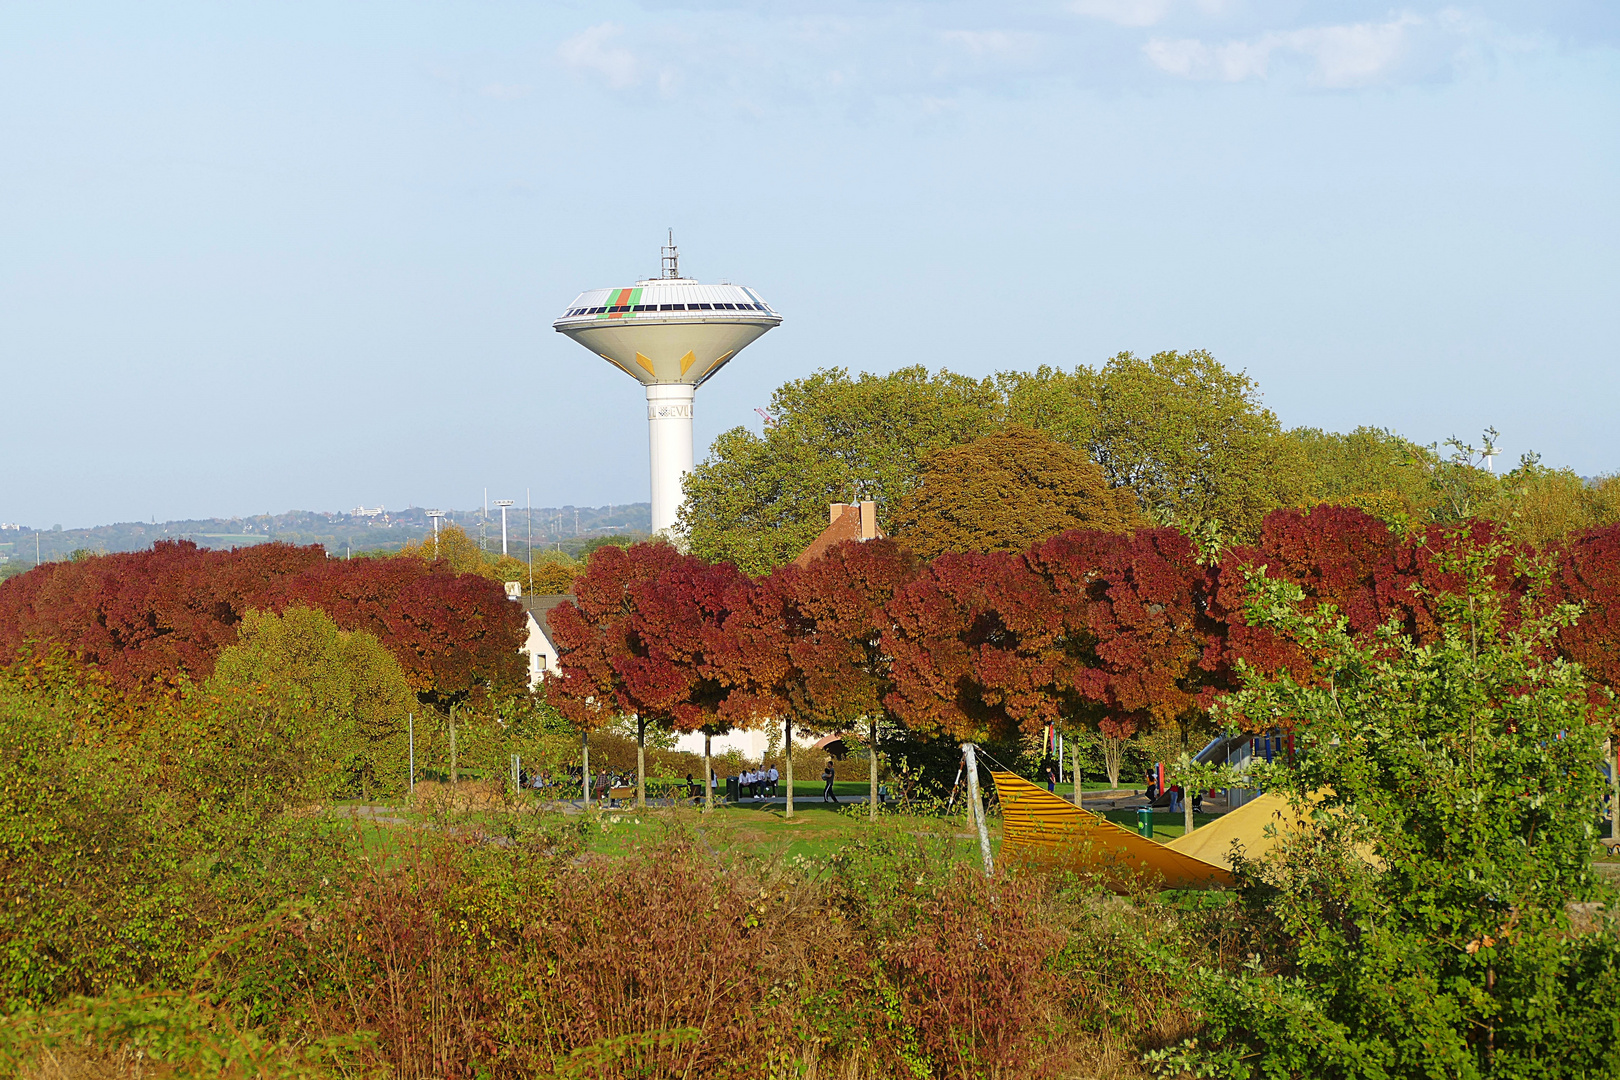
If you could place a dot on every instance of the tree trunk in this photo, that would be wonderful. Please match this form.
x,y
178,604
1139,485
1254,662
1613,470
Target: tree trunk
x,y
455,776
871,804
976,808
1079,790
641,763
1614,793
585,765
1186,810
708,777
787,739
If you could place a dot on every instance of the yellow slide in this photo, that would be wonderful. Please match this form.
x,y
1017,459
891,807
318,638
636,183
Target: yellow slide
x,y
1039,825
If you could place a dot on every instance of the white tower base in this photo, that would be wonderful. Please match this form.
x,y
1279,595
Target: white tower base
x,y
669,435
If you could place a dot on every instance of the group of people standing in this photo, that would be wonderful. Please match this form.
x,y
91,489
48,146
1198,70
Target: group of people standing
x,y
759,783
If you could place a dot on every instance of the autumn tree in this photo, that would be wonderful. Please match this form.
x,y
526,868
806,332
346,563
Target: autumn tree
x,y
977,652
462,554
151,620
553,574
1372,469
1142,604
836,618
1540,506
456,636
682,665
1006,491
147,619
1373,574
597,643
758,500
1087,631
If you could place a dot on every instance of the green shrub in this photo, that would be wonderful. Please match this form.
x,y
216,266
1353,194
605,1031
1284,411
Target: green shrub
x,y
1417,926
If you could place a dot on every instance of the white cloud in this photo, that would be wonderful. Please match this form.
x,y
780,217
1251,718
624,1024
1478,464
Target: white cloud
x,y
504,91
1340,57
994,44
1123,12
593,50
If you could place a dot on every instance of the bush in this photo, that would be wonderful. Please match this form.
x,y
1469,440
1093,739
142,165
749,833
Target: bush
x,y
1418,925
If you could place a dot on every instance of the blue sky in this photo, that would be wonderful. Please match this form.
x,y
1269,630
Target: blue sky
x,y
261,257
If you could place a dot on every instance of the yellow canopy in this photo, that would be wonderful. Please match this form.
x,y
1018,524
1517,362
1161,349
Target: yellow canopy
x,y
1038,824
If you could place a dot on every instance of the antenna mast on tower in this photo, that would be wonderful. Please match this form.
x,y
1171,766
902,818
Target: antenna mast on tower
x,y
672,258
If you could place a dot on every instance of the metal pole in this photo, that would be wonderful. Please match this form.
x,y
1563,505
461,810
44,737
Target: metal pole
x,y
787,742
872,798
1079,789
585,764
978,807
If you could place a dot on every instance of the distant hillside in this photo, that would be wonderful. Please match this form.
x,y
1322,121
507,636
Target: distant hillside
x,y
554,527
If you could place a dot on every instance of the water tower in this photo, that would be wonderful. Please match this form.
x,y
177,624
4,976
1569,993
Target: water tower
x,y
671,334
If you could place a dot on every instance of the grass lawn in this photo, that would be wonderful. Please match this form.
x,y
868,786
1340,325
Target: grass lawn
x,y
747,829
763,831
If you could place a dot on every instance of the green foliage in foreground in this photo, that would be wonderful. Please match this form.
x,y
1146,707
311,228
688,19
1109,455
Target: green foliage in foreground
x,y
129,844
1421,925
346,680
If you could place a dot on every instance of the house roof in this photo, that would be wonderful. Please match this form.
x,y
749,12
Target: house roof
x,y
845,524
541,606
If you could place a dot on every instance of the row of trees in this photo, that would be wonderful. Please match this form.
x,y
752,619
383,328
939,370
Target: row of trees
x,y
152,620
1184,440
1090,631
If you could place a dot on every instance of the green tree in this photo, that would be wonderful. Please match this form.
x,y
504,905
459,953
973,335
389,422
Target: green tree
x,y
453,546
1540,506
554,574
1368,468
1418,923
758,501
1190,438
1004,492
347,679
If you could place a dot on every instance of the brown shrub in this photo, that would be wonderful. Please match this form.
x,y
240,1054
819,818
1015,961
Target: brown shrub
x,y
472,959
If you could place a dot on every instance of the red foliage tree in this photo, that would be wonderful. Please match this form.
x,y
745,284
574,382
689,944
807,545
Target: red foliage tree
x,y
456,635
1370,573
646,638
1140,604
148,619
978,651
831,615
1588,573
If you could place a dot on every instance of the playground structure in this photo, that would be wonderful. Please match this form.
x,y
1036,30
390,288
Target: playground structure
x,y
1039,826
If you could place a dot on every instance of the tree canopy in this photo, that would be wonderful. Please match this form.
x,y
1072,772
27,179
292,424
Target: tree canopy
x,y
152,620
1189,438
758,501
1005,491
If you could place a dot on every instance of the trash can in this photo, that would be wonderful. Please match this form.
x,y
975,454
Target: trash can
x,y
1144,821
733,792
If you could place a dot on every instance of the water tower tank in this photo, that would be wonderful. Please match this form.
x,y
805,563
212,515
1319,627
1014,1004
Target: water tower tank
x,y
671,334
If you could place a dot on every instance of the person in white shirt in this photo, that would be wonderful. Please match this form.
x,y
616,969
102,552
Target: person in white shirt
x,y
772,778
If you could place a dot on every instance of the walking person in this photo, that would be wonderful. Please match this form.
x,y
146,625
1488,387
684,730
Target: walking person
x,y
1049,770
771,779
827,794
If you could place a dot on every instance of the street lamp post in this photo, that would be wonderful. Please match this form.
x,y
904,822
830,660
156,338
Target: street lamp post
x,y
503,504
435,515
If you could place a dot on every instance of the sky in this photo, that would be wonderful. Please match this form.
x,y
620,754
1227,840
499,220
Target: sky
x,y
259,257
